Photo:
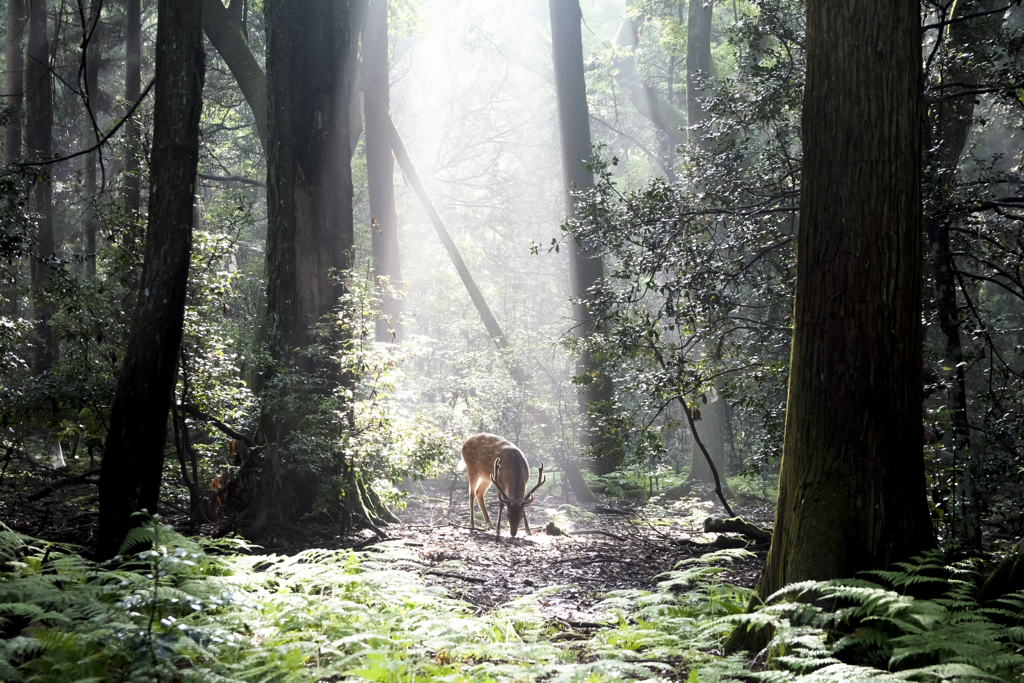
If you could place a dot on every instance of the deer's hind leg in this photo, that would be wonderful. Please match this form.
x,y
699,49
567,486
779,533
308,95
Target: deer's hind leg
x,y
481,489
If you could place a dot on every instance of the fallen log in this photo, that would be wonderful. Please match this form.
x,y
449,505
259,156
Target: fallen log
x,y
737,525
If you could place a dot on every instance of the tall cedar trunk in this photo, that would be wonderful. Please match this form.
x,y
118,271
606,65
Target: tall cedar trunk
x,y
698,63
950,120
39,143
17,16
585,270
92,70
851,491
134,453
309,180
132,92
380,164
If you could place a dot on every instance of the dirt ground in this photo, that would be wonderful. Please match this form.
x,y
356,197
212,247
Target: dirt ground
x,y
614,545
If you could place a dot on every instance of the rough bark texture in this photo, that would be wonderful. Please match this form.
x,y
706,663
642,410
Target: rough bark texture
x,y
574,130
134,452
17,15
851,492
39,144
698,63
380,164
309,180
226,36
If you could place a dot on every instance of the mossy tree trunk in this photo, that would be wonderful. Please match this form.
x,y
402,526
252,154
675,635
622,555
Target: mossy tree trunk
x,y
851,491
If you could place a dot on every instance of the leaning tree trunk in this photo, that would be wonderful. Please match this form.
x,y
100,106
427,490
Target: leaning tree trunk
x,y
133,456
380,167
585,270
39,143
852,491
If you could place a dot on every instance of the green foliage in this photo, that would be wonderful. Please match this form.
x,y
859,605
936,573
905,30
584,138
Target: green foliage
x,y
847,628
185,610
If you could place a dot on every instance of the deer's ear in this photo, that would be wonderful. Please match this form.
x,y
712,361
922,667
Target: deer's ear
x,y
529,501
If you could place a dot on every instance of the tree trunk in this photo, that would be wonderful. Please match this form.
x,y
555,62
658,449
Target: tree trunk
x,y
585,270
648,102
228,38
380,167
309,179
92,70
711,430
698,65
134,452
132,92
851,491
39,143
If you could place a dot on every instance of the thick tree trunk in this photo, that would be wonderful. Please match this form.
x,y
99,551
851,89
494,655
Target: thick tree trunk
x,y
309,180
132,92
133,456
698,64
380,166
585,270
39,143
851,491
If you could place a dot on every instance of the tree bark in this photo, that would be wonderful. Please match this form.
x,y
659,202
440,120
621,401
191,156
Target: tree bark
x,y
380,167
851,491
227,37
134,452
39,143
309,179
585,270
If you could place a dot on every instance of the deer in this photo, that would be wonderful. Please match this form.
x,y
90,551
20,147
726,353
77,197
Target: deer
x,y
490,459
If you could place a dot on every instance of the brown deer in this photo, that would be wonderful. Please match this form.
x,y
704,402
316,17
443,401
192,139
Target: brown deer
x,y
490,460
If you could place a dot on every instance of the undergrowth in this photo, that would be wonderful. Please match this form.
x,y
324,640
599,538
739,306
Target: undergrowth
x,y
182,610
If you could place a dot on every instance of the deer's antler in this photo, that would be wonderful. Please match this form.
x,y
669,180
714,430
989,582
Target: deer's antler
x,y
502,496
540,480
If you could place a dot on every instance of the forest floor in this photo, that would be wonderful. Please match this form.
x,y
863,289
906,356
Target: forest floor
x,y
615,545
